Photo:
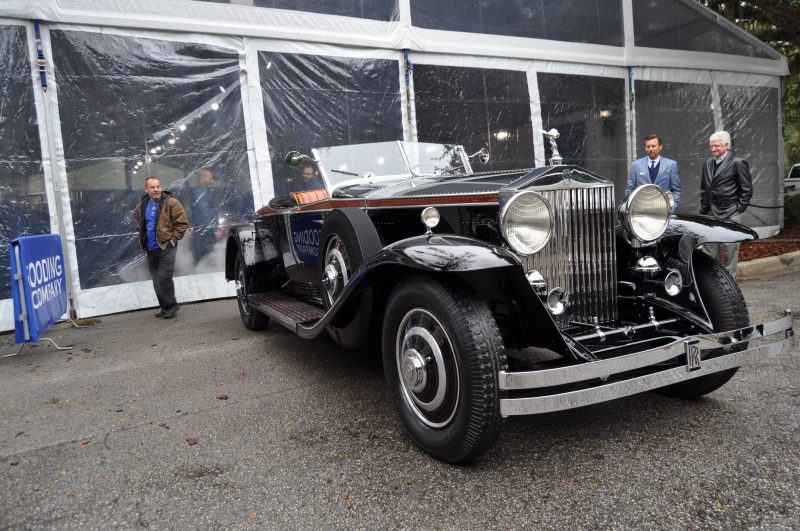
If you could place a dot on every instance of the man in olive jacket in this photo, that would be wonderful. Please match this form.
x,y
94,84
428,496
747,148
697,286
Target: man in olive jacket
x,y
161,222
726,189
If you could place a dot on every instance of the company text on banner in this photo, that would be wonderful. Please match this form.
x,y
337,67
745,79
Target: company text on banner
x,y
38,285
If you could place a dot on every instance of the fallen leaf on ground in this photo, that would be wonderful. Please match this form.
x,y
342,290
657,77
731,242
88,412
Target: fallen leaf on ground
x,y
163,425
191,441
19,432
13,462
222,397
84,444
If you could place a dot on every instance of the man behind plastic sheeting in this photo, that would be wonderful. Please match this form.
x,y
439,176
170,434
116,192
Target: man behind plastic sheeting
x,y
655,169
726,188
204,215
310,180
161,222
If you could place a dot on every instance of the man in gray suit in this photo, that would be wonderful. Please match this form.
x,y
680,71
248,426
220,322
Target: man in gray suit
x,y
726,189
655,169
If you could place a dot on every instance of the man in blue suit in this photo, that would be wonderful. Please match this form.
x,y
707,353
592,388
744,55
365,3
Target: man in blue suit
x,y
655,169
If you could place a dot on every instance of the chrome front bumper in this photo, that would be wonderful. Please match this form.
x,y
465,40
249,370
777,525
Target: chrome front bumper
x,y
691,348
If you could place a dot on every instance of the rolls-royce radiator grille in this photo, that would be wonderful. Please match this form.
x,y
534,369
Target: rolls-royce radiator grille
x,y
581,255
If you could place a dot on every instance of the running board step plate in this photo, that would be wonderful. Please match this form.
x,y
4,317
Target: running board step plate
x,y
285,309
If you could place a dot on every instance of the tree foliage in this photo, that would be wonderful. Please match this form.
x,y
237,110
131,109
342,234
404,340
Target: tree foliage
x,y
777,23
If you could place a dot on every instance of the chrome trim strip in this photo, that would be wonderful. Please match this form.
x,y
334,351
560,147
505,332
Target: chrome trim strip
x,y
428,202
638,360
603,393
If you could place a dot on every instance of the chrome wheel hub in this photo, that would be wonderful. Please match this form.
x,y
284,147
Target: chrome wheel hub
x,y
330,279
241,293
427,368
413,370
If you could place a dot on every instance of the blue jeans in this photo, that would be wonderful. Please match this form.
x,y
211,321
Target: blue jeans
x,y
162,266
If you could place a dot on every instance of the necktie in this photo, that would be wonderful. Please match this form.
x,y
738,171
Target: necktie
x,y
653,171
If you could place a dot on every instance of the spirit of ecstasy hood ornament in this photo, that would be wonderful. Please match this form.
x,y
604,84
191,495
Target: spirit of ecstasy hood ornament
x,y
552,135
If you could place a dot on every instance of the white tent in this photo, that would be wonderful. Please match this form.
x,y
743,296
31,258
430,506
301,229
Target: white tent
x,y
168,87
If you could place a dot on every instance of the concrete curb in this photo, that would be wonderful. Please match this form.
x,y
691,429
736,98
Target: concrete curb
x,y
769,266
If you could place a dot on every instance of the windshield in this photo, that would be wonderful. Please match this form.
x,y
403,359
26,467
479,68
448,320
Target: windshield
x,y
350,164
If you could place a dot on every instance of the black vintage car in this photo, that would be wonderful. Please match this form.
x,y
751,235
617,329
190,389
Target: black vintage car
x,y
492,294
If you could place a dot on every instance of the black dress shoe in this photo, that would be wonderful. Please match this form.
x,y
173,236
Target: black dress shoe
x,y
160,313
169,314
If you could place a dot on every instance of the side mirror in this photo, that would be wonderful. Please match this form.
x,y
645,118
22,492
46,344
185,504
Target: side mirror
x,y
294,159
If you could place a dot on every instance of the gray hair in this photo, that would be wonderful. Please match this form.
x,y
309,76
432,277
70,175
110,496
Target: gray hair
x,y
722,136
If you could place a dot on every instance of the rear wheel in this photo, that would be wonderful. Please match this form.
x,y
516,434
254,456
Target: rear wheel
x,y
727,310
252,318
442,353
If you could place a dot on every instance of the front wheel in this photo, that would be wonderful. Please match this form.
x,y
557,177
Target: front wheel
x,y
442,352
727,310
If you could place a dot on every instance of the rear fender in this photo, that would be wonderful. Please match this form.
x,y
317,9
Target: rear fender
x,y
256,245
241,241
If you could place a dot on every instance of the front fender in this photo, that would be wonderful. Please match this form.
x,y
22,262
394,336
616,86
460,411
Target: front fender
x,y
448,254
495,273
686,233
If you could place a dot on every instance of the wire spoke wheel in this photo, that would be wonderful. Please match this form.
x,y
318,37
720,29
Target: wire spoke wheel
x,y
241,289
252,319
348,238
336,270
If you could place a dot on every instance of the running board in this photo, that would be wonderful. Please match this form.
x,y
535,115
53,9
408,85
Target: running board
x,y
285,309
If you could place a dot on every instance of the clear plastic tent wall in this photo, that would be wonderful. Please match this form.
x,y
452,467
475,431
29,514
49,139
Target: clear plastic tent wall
x,y
179,87
23,199
133,107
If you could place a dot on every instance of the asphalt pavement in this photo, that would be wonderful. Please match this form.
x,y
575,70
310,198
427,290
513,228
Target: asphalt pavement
x,y
196,422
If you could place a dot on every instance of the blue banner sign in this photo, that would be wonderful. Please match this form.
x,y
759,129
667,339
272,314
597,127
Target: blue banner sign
x,y
306,229
39,286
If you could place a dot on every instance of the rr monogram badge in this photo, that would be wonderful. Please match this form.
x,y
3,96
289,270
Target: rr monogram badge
x,y
692,355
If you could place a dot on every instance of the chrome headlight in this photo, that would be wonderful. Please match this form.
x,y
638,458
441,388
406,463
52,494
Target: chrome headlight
x,y
645,213
526,222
